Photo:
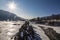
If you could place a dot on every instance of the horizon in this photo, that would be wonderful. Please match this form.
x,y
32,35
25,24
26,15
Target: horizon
x,y
29,9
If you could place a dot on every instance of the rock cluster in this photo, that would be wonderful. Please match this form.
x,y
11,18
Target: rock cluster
x,y
26,32
51,33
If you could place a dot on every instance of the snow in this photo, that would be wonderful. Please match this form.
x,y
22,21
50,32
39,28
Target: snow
x,y
21,34
40,32
27,28
56,28
29,38
8,30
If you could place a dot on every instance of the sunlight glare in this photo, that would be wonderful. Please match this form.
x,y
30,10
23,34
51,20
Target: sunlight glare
x,y
12,6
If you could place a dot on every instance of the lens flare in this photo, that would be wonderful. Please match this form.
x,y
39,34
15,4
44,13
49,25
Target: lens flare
x,y
12,6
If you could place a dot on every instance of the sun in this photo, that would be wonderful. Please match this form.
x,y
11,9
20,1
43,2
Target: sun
x,y
12,6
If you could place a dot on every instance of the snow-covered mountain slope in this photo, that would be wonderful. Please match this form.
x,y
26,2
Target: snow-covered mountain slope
x,y
5,15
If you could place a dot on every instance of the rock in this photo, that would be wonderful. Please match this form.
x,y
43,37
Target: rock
x,y
51,34
26,32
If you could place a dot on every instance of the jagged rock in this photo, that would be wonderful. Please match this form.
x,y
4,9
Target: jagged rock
x,y
26,32
51,33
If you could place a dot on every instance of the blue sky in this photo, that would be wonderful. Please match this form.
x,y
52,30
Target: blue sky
x,y
32,8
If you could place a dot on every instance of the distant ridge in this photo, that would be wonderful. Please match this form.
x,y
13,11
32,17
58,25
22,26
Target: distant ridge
x,y
51,17
5,15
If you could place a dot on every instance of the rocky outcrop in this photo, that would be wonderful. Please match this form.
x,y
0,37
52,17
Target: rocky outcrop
x,y
51,33
26,32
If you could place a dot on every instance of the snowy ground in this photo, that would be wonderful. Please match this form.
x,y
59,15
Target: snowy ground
x,y
7,29
56,28
40,32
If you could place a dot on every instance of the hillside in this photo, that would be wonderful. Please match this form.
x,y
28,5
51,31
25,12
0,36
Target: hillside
x,y
49,20
5,15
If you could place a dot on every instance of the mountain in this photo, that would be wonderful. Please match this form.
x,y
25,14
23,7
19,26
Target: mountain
x,y
51,17
5,15
48,20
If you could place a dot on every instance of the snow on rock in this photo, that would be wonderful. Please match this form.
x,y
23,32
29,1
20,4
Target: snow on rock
x,y
40,32
56,28
21,34
26,32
